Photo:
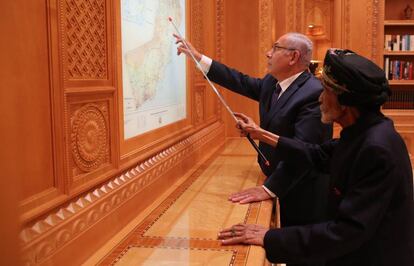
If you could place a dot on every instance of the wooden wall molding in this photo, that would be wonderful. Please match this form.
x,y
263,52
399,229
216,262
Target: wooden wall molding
x,y
266,32
220,43
89,127
220,30
84,39
197,36
46,236
347,24
199,105
375,25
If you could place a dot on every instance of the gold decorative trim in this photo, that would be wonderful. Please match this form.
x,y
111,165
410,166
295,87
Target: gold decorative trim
x,y
46,236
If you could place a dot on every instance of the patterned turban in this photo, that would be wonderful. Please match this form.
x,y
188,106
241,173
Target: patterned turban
x,y
356,80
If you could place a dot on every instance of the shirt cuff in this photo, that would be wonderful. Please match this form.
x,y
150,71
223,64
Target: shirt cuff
x,y
273,195
205,63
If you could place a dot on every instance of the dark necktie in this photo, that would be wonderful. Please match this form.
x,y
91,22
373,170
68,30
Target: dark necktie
x,y
275,95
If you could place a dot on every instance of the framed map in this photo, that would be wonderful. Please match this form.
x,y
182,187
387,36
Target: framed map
x,y
153,76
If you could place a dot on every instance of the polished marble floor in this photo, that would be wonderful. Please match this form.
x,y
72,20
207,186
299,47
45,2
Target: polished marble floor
x,y
182,229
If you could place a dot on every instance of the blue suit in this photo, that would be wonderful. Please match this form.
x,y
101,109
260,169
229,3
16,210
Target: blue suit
x,y
302,192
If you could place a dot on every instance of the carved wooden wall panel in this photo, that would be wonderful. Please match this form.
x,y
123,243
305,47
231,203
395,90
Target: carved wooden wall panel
x,y
243,50
89,147
350,24
85,36
199,105
362,27
266,32
89,136
319,14
28,89
44,240
77,133
197,35
220,29
86,41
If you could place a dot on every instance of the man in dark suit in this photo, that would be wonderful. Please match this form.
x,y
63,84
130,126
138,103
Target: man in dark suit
x,y
288,106
371,206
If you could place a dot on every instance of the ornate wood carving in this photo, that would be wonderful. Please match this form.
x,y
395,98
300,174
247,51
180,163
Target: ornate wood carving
x,y
47,235
197,31
318,13
220,39
198,106
374,25
89,136
220,42
84,39
347,24
266,36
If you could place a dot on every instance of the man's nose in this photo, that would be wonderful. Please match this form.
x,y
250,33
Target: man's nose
x,y
269,54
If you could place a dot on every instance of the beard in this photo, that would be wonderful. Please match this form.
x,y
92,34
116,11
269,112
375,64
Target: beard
x,y
330,115
326,119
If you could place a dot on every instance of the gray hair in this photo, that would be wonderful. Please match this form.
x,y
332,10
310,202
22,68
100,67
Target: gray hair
x,y
303,44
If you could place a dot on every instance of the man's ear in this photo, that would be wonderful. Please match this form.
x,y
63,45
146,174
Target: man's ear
x,y
295,57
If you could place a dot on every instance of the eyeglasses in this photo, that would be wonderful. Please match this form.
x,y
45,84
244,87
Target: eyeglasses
x,y
276,47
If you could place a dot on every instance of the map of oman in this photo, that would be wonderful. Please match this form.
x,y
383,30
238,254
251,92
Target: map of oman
x,y
145,65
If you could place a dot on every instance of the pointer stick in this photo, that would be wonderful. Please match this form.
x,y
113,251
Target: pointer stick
x,y
217,92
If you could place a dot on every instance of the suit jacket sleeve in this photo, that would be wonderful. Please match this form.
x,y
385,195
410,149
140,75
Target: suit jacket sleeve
x,y
235,80
359,213
308,128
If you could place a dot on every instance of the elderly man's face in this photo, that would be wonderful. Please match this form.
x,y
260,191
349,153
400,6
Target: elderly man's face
x,y
279,58
331,110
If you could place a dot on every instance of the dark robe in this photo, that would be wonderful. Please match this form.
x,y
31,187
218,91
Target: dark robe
x,y
371,200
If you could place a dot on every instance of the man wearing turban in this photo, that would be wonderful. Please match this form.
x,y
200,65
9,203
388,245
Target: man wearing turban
x,y
371,220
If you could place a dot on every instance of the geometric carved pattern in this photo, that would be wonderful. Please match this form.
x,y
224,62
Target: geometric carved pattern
x,y
220,33
374,25
197,31
265,32
89,137
220,42
85,39
46,235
